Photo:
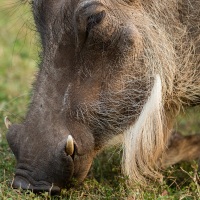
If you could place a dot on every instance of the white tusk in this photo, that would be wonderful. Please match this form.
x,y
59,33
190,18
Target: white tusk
x,y
70,145
7,122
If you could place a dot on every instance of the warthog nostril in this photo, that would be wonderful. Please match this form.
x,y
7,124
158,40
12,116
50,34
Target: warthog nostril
x,y
21,183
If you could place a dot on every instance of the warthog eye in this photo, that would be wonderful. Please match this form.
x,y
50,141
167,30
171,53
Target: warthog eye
x,y
94,19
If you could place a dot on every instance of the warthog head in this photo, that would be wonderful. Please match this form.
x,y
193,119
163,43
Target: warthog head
x,y
84,90
98,66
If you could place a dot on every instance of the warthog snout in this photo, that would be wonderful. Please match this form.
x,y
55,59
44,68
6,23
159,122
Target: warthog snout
x,y
22,183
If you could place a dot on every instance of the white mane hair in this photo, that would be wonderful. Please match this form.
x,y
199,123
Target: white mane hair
x,y
144,140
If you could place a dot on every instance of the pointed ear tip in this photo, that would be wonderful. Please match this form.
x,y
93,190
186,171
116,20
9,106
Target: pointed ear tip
x,y
7,122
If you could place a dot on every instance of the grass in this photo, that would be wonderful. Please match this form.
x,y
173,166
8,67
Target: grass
x,y
18,64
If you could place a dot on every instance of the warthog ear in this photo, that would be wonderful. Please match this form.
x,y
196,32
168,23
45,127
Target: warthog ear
x,y
7,122
70,146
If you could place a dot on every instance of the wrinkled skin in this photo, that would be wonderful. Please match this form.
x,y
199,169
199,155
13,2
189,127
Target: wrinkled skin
x,y
86,87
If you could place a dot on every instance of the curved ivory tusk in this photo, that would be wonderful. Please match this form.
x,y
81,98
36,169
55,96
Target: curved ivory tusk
x,y
70,145
7,122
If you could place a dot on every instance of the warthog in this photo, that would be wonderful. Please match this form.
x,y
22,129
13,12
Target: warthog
x,y
109,68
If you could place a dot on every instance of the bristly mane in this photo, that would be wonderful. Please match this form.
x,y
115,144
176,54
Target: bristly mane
x,y
172,57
